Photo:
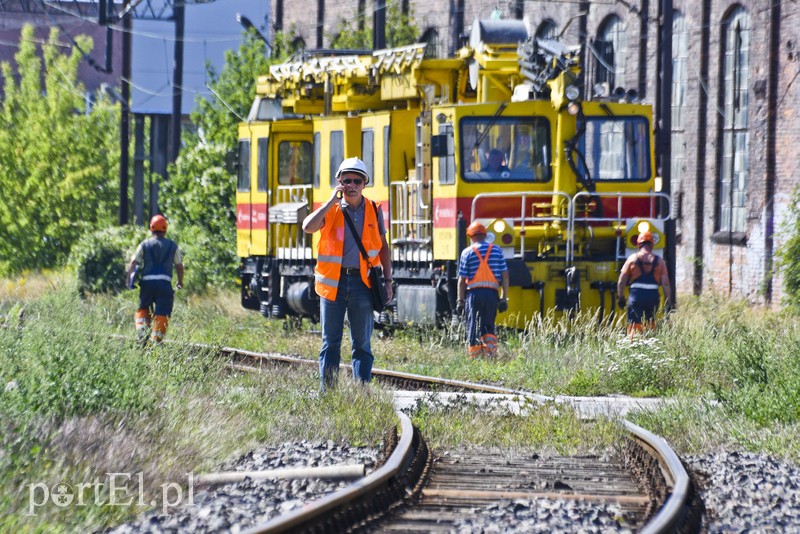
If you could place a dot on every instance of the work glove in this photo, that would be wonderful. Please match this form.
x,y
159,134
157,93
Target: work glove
x,y
621,301
502,306
460,307
669,307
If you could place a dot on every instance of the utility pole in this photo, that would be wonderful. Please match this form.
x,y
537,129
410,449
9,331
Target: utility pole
x,y
179,14
125,111
664,128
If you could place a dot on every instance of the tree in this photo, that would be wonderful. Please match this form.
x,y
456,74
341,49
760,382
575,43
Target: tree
x,y
58,157
789,255
200,194
400,30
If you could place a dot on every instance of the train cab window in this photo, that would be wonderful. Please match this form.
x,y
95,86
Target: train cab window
x,y
386,154
243,166
317,147
615,149
508,149
295,163
368,154
263,163
337,153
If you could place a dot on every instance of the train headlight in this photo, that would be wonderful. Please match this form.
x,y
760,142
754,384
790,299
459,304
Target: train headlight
x,y
573,108
503,232
643,227
572,92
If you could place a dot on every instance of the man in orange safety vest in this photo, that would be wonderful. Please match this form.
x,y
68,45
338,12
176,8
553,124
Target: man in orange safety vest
x,y
342,272
479,268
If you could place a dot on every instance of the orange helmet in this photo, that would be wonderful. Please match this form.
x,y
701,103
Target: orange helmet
x,y
645,237
158,223
476,228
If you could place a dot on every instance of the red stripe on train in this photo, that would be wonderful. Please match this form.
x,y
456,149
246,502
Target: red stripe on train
x,y
251,216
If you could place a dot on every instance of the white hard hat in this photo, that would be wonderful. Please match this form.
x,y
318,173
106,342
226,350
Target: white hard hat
x,y
353,165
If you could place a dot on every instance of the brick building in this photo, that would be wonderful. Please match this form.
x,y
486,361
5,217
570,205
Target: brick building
x,y
735,102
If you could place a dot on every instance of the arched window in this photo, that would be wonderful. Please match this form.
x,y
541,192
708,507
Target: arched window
x,y
298,43
610,50
431,39
680,42
547,30
735,168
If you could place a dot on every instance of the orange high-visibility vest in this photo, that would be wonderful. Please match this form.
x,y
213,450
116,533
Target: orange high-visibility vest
x,y
331,248
484,277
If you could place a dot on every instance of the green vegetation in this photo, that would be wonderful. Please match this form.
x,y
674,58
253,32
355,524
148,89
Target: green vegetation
x,y
545,427
58,160
76,403
731,366
356,34
789,255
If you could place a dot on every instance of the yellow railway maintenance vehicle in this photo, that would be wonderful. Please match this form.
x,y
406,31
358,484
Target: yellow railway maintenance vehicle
x,y
575,185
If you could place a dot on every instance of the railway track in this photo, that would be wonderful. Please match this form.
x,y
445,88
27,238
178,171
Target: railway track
x,y
416,491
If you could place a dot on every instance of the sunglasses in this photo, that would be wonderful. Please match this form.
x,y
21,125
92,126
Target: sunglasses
x,y
354,181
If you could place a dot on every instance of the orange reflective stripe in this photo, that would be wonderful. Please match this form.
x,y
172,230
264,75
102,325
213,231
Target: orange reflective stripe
x,y
331,247
160,323
484,277
142,317
475,351
329,255
490,344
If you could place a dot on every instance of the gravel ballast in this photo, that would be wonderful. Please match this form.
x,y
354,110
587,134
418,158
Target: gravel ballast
x,y
235,507
742,492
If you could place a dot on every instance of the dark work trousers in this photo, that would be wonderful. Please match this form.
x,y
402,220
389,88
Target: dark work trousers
x,y
481,309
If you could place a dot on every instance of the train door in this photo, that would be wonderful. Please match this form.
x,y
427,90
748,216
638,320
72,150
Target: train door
x,y
243,200
292,167
252,190
375,138
338,138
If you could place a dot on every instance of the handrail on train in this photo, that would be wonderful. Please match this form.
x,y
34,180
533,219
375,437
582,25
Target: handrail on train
x,y
619,196
523,218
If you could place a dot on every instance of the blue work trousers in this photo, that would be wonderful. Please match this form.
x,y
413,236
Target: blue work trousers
x,y
355,298
642,305
481,309
158,292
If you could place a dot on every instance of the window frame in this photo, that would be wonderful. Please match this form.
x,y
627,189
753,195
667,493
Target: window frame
x,y
534,121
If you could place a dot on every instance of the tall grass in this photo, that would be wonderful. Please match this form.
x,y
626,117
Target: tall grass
x,y
76,403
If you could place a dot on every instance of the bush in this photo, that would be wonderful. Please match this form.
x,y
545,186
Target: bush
x,y
789,256
209,260
100,259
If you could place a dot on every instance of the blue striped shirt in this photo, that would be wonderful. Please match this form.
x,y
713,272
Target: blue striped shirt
x,y
468,264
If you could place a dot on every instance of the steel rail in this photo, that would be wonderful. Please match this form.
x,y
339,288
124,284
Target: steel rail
x,y
669,517
396,375
674,509
296,519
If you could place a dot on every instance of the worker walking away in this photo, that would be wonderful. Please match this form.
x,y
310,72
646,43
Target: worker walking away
x,y
156,258
645,272
480,267
353,239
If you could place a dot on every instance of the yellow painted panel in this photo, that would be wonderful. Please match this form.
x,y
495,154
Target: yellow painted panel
x,y
445,242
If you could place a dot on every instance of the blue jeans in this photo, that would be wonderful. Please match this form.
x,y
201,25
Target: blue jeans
x,y
354,298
